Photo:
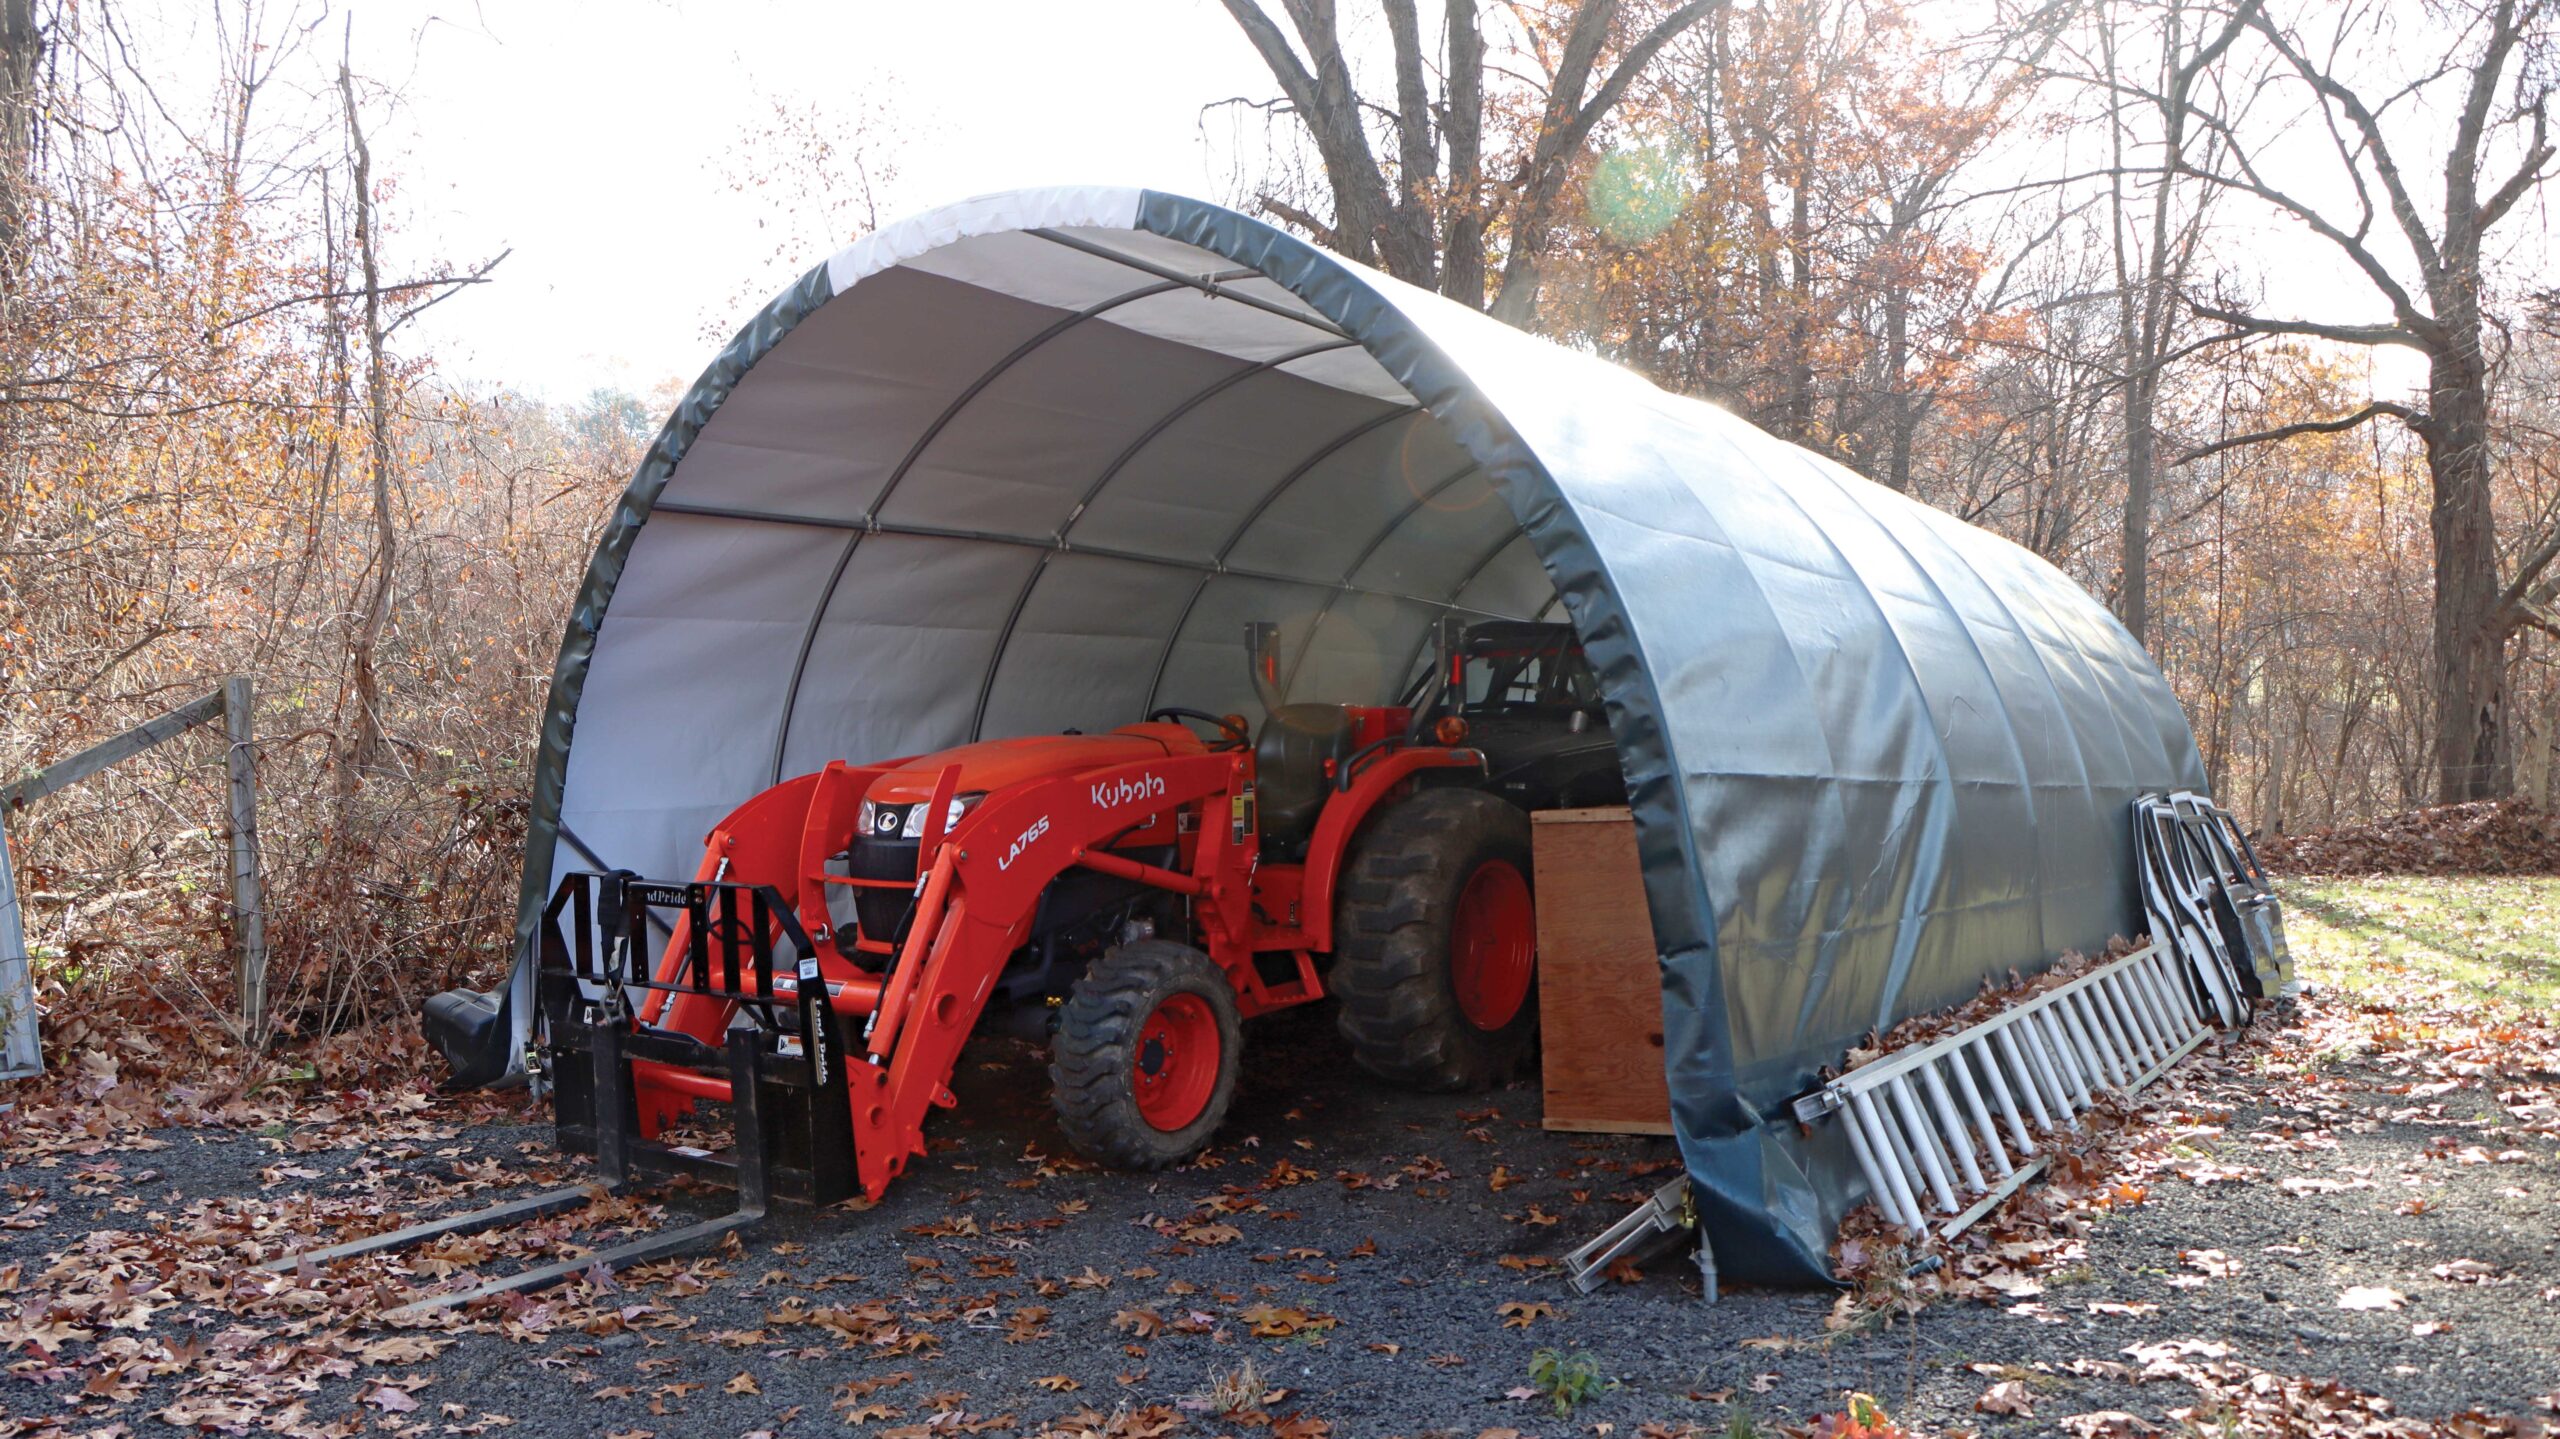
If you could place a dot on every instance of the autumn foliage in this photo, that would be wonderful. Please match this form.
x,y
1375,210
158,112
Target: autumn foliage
x,y
185,493
1923,246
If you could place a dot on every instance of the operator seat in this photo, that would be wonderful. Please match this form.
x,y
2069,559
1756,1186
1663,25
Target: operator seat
x,y
1300,745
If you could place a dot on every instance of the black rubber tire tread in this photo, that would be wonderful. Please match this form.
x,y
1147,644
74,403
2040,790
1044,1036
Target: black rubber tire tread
x,y
1093,1057
1399,894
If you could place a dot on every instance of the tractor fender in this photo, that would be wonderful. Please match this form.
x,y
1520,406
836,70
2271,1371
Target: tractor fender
x,y
1348,812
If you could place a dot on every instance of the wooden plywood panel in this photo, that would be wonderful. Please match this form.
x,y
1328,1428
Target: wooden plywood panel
x,y
1599,982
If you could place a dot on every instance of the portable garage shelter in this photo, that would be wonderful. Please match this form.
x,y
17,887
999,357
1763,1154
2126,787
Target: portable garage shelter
x,y
1031,461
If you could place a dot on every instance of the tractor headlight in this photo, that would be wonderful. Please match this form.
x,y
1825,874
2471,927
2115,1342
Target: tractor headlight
x,y
960,804
906,821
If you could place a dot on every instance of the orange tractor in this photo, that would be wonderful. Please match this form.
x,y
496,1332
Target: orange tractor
x,y
1130,897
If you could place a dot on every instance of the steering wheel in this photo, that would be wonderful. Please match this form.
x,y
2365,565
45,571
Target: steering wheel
x,y
1232,733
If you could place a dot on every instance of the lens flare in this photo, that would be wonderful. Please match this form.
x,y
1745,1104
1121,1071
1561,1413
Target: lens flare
x,y
1636,192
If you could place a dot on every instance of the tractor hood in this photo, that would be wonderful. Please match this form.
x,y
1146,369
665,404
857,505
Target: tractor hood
x,y
998,763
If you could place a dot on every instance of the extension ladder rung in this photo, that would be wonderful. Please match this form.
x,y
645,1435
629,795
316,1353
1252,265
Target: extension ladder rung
x,y
1945,1130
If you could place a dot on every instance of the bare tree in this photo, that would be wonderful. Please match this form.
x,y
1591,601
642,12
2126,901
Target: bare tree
x,y
21,48
2498,70
1428,225
366,745
2150,272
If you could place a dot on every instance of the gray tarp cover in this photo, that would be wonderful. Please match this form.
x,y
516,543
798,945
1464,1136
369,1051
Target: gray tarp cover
x,y
1030,461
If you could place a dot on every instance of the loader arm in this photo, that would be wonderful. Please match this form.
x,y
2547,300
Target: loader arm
x,y
980,896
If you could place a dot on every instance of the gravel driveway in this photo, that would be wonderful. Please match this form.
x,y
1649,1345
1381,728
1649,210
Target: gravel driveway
x,y
1383,1258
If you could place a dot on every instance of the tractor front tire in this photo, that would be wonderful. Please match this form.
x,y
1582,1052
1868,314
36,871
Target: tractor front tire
x,y
1146,1055
1435,942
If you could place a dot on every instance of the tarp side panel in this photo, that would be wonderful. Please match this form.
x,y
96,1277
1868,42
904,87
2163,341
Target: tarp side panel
x,y
1032,442
586,619
1325,523
1203,664
707,606
1086,645
909,635
1187,492
839,398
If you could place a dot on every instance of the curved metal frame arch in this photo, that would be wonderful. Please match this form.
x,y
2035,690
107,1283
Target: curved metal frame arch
x,y
1218,562
915,451
1289,680
1110,472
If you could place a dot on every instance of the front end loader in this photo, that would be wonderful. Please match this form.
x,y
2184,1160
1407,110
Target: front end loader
x,y
1130,898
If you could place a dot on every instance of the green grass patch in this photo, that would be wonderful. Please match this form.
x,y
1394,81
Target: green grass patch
x,y
2497,939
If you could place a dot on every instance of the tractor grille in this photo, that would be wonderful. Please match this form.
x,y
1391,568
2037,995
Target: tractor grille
x,y
883,911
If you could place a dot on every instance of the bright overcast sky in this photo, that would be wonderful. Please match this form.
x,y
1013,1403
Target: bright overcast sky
x,y
593,139
600,142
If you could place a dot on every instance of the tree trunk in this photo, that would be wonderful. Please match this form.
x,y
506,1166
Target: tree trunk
x,y
366,748
2472,761
2141,463
1462,259
1897,393
1796,410
2277,724
21,46
1410,238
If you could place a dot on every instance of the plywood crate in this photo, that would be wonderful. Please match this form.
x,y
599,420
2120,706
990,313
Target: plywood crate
x,y
1599,983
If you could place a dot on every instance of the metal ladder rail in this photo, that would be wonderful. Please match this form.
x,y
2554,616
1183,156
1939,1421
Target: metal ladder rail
x,y
1653,1228
1952,1126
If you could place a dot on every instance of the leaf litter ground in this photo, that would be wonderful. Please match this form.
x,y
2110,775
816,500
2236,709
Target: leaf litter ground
x,y
2341,1226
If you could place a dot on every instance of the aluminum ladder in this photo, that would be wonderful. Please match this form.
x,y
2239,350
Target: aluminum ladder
x,y
1946,1130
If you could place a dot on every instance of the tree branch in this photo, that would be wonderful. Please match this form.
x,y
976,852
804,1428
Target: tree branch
x,y
2527,175
1281,209
2354,249
1566,126
2421,241
476,277
1632,64
2521,590
2533,617
2373,411
2344,334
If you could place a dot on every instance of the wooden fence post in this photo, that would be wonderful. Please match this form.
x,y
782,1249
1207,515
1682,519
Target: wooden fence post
x,y
248,900
232,704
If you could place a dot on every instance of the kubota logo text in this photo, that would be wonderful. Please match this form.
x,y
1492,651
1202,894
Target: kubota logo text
x,y
1038,828
1115,793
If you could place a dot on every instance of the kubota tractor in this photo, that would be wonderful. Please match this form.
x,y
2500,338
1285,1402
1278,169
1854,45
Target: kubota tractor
x,y
1130,897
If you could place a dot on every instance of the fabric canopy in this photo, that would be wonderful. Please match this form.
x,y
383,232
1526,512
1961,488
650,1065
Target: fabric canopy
x,y
1031,461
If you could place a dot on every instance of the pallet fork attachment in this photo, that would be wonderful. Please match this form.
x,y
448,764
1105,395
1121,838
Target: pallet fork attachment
x,y
786,1084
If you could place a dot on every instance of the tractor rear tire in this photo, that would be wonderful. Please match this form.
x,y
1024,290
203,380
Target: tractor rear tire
x,y
1146,1055
1435,942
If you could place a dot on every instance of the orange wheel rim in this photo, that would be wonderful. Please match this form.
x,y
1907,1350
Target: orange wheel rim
x,y
1179,1053
1493,945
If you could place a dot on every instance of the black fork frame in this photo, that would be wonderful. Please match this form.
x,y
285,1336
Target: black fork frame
x,y
787,1064
796,1085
